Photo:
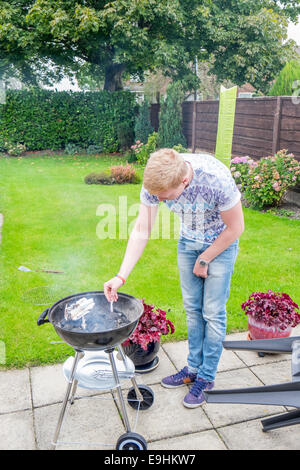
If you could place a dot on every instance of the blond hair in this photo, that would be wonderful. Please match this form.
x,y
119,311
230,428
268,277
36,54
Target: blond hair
x,y
165,170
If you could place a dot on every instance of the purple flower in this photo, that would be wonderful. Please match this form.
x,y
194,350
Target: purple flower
x,y
273,309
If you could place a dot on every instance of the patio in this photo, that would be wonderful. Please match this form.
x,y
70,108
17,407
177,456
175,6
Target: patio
x,y
30,401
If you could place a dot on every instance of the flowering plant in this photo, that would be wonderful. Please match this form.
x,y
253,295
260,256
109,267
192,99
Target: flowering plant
x,y
137,147
151,326
239,167
272,309
15,149
142,150
265,182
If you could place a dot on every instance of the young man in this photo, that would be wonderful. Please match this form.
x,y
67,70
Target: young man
x,y
202,192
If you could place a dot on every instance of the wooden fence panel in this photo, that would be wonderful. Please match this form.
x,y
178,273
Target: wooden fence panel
x,y
291,106
262,125
289,123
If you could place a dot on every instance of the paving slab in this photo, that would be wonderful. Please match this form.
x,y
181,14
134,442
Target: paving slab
x,y
251,358
222,414
275,373
93,423
164,368
167,417
14,390
178,353
31,399
205,440
240,336
249,436
16,431
49,385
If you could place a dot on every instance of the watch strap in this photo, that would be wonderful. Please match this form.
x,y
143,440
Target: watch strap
x,y
120,277
204,262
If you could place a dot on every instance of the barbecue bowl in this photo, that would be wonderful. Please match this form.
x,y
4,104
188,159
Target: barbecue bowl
x,y
78,335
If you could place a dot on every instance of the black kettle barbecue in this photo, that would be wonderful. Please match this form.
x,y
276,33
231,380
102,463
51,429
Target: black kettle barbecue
x,y
86,322
93,325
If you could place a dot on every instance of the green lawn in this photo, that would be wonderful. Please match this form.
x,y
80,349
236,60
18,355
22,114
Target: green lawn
x,y
51,221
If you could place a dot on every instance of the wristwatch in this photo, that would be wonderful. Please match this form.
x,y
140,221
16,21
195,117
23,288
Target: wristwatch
x,y
202,262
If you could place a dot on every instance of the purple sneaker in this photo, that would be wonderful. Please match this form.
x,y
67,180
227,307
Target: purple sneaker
x,y
184,377
195,396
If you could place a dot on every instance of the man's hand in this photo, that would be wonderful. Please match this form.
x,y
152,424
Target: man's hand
x,y
200,271
111,287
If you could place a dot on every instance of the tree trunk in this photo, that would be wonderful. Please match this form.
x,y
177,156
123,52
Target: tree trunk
x,y
113,77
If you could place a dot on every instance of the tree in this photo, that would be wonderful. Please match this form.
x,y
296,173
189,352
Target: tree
x,y
209,85
170,118
143,127
155,84
245,38
287,79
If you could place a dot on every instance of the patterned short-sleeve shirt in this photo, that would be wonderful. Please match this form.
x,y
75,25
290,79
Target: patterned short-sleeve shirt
x,y
211,191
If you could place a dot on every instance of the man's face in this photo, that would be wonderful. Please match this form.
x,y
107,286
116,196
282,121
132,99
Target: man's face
x,y
171,194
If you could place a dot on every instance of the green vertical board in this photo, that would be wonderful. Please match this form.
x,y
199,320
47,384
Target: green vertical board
x,y
225,124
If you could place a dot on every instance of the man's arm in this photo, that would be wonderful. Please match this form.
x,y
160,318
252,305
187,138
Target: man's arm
x,y
234,221
136,244
138,238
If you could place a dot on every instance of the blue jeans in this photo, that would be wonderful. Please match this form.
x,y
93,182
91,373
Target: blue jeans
x,y
204,301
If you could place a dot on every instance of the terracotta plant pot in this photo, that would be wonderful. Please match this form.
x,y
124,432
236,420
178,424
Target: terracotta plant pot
x,y
258,330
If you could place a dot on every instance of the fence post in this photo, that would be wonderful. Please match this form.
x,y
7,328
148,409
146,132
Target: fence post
x,y
277,125
194,127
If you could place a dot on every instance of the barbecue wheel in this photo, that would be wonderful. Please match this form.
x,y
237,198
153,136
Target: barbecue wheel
x,y
148,398
131,441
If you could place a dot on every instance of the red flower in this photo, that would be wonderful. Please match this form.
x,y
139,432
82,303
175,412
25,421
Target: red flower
x,y
151,326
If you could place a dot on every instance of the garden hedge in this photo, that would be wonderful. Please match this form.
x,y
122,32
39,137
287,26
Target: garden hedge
x,y
43,119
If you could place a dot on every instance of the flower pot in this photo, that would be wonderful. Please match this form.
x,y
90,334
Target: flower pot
x,y
144,360
259,330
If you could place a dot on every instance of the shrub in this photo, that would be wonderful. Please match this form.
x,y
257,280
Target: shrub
x,y
180,149
46,119
143,127
240,167
93,149
265,182
131,156
285,82
110,144
73,149
124,174
170,118
137,147
118,174
142,150
125,134
98,178
14,149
